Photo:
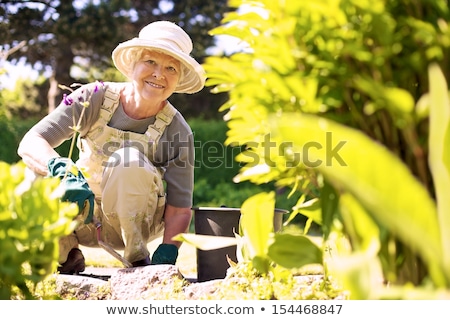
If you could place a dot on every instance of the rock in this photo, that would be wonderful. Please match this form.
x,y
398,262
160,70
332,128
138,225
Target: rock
x,y
150,282
82,288
137,283
155,282
200,290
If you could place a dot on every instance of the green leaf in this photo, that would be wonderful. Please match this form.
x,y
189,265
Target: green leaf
x,y
372,174
310,209
362,230
204,242
398,101
439,154
294,251
257,214
262,264
329,200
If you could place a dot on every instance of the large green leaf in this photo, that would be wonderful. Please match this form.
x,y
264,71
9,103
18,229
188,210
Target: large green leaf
x,y
362,231
205,242
294,251
372,174
439,154
257,221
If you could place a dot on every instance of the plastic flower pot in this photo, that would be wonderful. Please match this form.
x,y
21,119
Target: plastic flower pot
x,y
220,221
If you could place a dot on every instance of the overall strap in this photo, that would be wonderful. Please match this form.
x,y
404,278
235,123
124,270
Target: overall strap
x,y
110,102
163,119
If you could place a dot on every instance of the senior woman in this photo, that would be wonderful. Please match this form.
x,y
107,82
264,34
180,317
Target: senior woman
x,y
133,180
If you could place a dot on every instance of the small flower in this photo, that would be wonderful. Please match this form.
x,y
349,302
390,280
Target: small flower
x,y
98,84
67,100
76,128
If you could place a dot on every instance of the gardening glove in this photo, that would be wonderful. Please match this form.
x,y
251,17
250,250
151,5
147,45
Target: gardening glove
x,y
76,187
165,254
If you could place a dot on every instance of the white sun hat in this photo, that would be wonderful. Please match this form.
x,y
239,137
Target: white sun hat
x,y
168,38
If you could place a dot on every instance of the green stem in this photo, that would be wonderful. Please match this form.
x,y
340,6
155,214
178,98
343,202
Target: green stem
x,y
74,136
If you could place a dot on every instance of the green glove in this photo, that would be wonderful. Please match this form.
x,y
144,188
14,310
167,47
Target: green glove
x,y
76,187
165,254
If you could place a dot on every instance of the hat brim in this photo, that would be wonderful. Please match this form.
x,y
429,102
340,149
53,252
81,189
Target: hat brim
x,y
194,75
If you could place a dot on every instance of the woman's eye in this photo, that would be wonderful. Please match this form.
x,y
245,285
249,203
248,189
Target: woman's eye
x,y
172,69
150,61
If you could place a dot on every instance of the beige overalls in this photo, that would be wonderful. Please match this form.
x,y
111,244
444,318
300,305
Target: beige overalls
x,y
129,192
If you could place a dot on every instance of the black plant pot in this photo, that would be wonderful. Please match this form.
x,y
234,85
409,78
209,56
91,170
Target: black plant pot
x,y
220,221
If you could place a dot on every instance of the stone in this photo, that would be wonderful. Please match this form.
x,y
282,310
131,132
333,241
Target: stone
x,y
136,283
199,290
150,282
82,288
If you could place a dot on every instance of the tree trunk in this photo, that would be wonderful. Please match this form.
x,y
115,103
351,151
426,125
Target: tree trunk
x,y
62,64
52,93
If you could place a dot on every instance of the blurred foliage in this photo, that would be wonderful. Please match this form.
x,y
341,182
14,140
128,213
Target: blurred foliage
x,y
11,132
24,101
331,99
31,222
342,60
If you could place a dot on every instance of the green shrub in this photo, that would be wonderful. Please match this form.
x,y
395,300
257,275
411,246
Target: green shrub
x,y
11,132
32,219
352,96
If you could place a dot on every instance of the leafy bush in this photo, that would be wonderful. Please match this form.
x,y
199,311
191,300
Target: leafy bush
x,y
11,132
22,101
341,90
32,220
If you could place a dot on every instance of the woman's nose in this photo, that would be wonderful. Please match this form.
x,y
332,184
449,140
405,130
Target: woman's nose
x,y
157,73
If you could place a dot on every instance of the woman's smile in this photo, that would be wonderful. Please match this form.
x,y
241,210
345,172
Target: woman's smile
x,y
154,85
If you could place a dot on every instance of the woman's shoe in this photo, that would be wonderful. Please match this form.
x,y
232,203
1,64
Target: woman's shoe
x,y
74,263
141,263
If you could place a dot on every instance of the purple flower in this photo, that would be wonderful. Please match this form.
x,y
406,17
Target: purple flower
x,y
67,100
96,86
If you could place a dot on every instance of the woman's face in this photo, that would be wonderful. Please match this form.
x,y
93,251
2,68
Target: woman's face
x,y
156,75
